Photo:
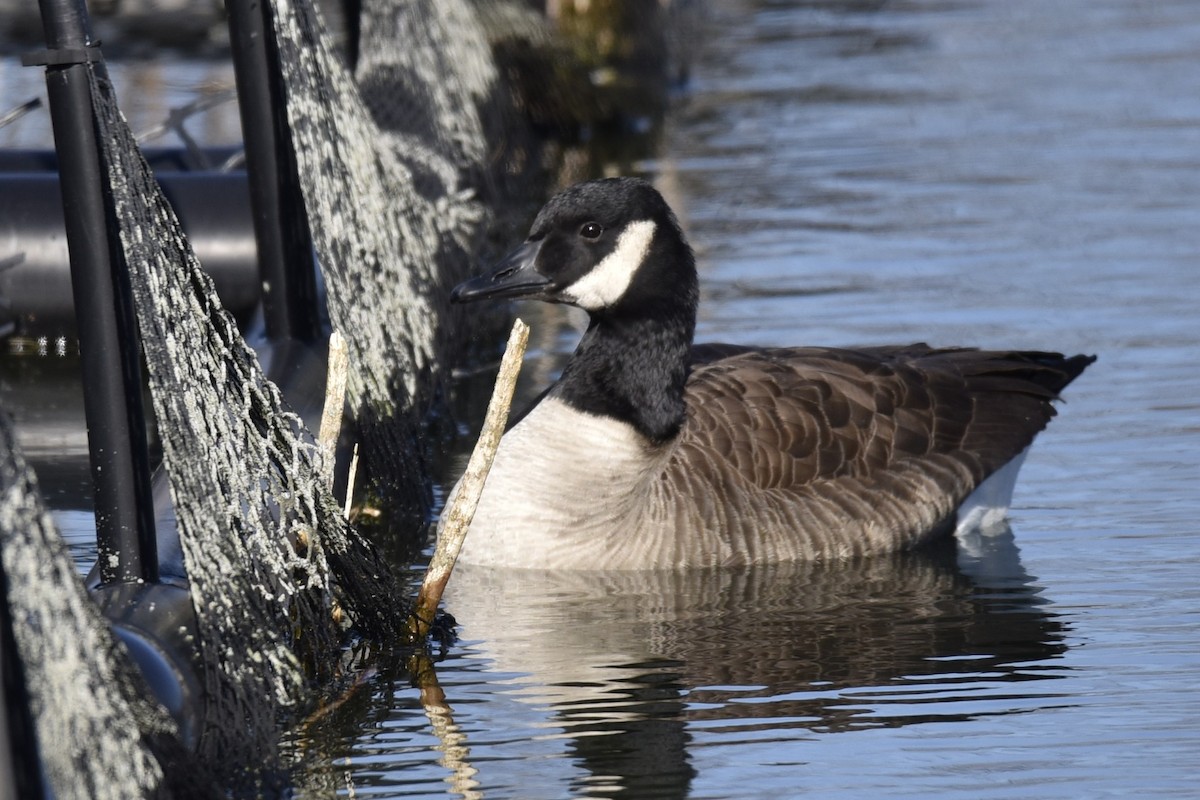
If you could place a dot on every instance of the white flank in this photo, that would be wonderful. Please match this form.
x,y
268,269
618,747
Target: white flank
x,y
986,508
604,284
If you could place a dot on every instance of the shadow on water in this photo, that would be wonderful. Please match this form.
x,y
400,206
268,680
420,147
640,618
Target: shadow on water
x,y
625,674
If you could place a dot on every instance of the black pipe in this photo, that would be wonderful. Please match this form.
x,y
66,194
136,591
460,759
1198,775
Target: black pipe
x,y
104,309
35,275
157,624
352,11
160,159
285,251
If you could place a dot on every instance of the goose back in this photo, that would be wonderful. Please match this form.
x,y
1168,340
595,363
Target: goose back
x,y
816,453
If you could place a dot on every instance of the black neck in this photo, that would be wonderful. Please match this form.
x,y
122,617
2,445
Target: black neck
x,y
633,368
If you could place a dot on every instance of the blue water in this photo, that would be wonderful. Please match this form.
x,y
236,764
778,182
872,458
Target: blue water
x,y
1001,173
988,172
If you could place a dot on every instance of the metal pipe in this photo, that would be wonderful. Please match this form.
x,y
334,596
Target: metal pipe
x,y
35,272
285,252
104,310
160,159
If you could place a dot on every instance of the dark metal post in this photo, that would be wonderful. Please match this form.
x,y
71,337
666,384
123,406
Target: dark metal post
x,y
280,220
108,341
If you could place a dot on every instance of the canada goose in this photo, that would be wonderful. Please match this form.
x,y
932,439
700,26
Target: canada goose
x,y
650,452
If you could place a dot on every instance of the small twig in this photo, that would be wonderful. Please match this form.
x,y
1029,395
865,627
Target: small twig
x,y
335,402
328,707
350,482
16,113
462,509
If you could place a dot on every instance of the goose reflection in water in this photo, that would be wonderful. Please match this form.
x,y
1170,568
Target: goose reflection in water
x,y
633,667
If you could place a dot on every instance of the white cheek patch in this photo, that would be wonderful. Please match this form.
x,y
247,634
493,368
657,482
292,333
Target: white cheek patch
x,y
604,284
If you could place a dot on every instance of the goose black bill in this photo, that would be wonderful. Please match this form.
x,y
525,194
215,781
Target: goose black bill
x,y
516,275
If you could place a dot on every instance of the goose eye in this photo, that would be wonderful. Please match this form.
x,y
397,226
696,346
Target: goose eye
x,y
591,230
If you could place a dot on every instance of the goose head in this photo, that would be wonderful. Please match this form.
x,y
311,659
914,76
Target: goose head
x,y
611,247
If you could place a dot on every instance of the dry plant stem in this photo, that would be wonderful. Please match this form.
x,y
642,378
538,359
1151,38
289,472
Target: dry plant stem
x,y
350,482
335,401
462,510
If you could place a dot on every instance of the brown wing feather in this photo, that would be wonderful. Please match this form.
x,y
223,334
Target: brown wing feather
x,y
867,423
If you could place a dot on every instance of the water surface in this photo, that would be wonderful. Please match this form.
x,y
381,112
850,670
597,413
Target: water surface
x,y
1001,173
984,172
